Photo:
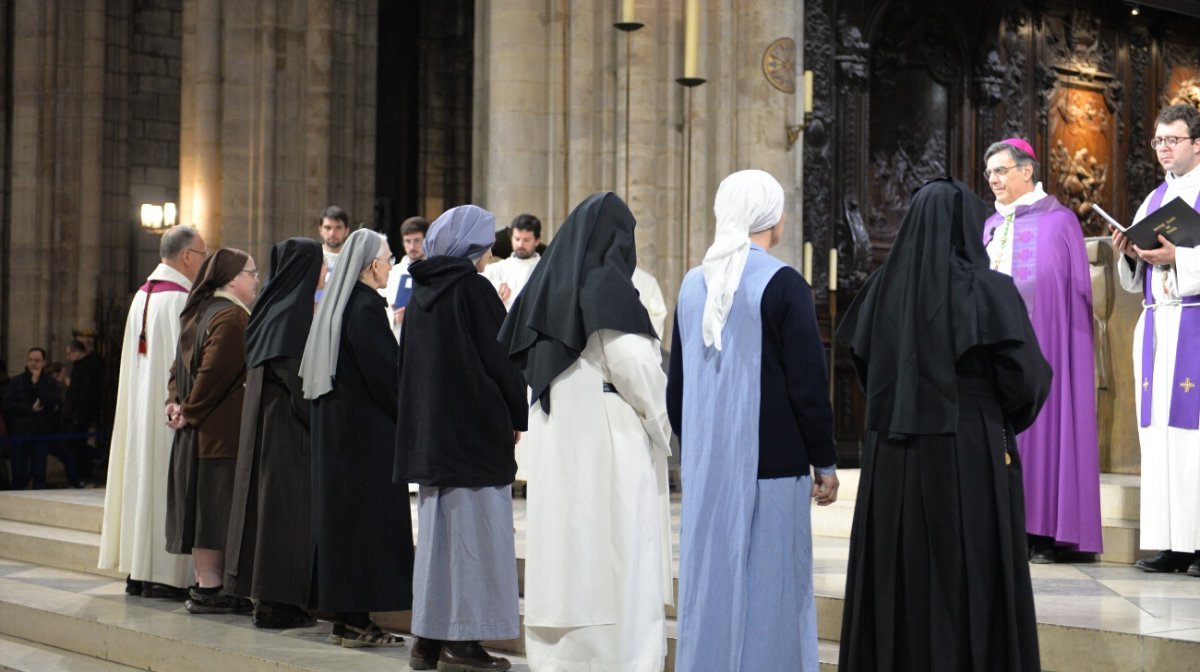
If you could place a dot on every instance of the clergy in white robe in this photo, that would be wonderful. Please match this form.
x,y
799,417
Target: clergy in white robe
x,y
132,538
652,299
412,236
1165,362
597,567
509,275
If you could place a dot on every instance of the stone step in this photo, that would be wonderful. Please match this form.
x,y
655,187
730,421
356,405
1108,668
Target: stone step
x,y
18,655
1120,496
52,546
103,623
71,509
89,616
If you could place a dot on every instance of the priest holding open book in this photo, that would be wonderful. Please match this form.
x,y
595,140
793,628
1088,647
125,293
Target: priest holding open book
x,y
1166,355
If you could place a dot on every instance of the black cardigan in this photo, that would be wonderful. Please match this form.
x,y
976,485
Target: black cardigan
x,y
461,398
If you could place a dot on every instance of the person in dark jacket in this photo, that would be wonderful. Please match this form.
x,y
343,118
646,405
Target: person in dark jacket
x,y
461,413
266,555
31,402
81,405
362,528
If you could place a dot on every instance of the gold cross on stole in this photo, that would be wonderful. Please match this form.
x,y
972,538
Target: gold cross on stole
x,y
1187,385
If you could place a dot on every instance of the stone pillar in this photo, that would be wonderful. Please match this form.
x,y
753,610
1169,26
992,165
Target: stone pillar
x,y
512,127
91,189
200,151
278,117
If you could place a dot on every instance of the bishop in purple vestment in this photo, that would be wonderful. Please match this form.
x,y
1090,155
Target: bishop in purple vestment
x,y
1039,242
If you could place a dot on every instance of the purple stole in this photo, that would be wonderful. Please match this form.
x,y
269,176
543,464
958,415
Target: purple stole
x,y
1185,408
150,288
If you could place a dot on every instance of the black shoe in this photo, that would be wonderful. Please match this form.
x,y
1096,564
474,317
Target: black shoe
x,y
280,616
1165,561
132,587
1043,555
469,657
1194,568
213,601
425,654
163,591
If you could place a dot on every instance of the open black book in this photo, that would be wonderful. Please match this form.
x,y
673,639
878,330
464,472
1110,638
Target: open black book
x,y
1176,221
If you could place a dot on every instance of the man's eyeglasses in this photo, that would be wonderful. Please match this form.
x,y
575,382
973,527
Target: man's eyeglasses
x,y
202,253
1169,140
1000,171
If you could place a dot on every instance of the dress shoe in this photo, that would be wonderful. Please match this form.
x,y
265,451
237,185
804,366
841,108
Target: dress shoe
x,y
132,587
1194,569
1166,561
163,591
425,653
1043,555
469,657
213,601
280,616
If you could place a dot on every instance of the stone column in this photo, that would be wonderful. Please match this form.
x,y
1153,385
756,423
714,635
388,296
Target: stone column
x,y
512,127
91,189
200,151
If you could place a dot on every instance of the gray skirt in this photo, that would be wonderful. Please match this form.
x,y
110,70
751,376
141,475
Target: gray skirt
x,y
465,573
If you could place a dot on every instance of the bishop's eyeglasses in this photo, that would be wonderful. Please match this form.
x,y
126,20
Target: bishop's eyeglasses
x,y
1168,140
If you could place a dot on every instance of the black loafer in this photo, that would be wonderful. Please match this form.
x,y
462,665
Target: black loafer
x,y
132,587
280,616
1166,561
215,603
1043,555
163,591
469,657
425,653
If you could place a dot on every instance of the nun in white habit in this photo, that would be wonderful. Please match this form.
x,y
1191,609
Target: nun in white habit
x,y
598,561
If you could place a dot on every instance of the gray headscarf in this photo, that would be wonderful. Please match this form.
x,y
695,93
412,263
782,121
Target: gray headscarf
x,y
466,231
319,364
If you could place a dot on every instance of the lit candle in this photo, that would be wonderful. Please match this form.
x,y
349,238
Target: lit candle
x,y
808,248
808,91
833,269
627,11
691,41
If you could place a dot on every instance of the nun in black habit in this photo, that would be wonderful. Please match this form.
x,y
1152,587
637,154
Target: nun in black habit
x,y
267,554
938,578
362,528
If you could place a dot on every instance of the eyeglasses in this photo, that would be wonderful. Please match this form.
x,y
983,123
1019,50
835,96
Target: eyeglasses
x,y
1169,140
998,172
251,271
390,261
202,253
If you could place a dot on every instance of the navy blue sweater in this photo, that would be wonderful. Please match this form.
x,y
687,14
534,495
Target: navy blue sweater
x,y
795,428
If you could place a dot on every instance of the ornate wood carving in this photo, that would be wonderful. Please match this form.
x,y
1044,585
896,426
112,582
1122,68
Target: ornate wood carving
x,y
818,158
1140,172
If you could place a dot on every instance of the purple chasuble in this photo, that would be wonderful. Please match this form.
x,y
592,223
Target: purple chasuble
x,y
1185,408
1059,451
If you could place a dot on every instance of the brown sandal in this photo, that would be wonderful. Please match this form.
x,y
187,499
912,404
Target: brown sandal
x,y
371,636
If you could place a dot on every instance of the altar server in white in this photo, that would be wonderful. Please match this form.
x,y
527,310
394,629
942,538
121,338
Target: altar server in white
x,y
509,275
1166,356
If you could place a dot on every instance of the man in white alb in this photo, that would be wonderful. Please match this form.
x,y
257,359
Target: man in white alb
x,y
509,275
334,229
1166,356
412,235
133,536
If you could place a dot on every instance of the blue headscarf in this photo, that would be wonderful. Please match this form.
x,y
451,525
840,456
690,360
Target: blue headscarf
x,y
465,231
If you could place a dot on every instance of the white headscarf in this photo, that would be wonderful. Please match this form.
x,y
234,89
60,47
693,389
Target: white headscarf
x,y
319,364
747,202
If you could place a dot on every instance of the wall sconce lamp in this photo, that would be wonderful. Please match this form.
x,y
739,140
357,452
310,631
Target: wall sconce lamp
x,y
158,218
794,130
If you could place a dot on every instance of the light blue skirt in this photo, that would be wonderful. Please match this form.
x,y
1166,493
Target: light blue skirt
x,y
465,573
